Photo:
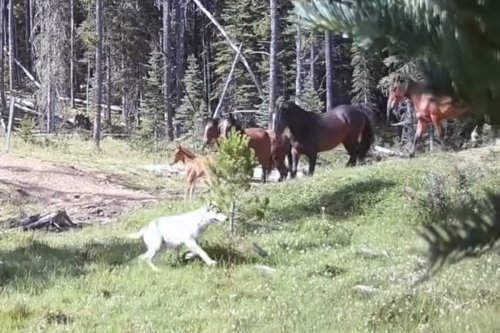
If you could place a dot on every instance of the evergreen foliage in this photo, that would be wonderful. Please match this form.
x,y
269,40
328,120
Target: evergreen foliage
x,y
365,64
233,170
152,114
191,119
310,99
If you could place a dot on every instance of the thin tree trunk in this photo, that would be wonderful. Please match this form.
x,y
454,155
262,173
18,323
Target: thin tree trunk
x,y
273,59
4,111
109,88
180,21
312,63
32,50
206,64
27,32
167,85
11,72
98,73
298,60
72,54
87,91
329,70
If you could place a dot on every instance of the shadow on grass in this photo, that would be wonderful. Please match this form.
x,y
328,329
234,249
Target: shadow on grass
x,y
347,201
36,265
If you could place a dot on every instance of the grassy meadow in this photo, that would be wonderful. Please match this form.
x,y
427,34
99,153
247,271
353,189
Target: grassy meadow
x,y
349,269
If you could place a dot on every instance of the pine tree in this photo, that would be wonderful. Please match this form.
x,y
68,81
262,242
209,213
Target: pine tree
x,y
310,99
189,118
364,77
152,113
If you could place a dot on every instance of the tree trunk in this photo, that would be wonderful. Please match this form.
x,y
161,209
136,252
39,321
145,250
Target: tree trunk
x,y
329,70
11,72
87,90
98,73
4,112
298,60
32,50
167,82
206,41
180,22
27,30
180,28
109,88
312,64
72,55
273,61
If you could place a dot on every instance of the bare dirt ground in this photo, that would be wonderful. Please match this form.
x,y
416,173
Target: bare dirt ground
x,y
87,197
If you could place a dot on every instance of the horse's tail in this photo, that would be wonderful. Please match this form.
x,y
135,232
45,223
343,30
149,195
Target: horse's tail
x,y
368,134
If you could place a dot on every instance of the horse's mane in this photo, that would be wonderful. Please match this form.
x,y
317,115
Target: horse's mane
x,y
289,106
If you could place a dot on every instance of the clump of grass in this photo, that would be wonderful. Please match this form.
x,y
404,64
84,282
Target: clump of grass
x,y
407,311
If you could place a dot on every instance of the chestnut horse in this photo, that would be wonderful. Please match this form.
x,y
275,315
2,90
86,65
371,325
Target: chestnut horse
x,y
429,108
281,146
312,133
259,139
197,167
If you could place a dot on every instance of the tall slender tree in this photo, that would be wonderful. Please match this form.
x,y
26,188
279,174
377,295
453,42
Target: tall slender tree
x,y
4,112
274,65
329,69
167,74
11,72
98,72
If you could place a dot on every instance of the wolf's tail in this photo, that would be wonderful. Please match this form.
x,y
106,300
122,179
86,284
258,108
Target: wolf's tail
x,y
137,235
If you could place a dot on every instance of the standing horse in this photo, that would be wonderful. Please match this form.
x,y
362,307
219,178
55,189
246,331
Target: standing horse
x,y
429,109
259,139
281,148
312,133
197,167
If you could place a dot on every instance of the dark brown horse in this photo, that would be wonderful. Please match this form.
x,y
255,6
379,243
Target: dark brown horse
x,y
259,139
312,133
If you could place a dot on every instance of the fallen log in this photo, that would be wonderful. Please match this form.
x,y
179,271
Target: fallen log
x,y
388,152
55,221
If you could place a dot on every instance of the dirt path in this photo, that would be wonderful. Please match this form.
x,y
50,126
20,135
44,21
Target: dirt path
x,y
86,197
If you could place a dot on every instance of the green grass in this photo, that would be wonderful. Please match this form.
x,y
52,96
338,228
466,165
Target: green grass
x,y
90,281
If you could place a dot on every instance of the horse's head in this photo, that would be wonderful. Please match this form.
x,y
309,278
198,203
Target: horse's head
x,y
227,124
181,154
283,107
211,133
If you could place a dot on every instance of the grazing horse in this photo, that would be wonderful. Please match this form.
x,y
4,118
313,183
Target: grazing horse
x,y
429,108
197,167
259,140
312,133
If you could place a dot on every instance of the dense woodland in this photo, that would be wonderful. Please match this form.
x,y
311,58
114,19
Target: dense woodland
x,y
157,68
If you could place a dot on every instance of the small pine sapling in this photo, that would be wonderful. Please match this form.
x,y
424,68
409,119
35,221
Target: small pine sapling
x,y
233,170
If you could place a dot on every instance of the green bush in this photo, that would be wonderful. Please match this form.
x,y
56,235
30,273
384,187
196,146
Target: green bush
x,y
233,171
